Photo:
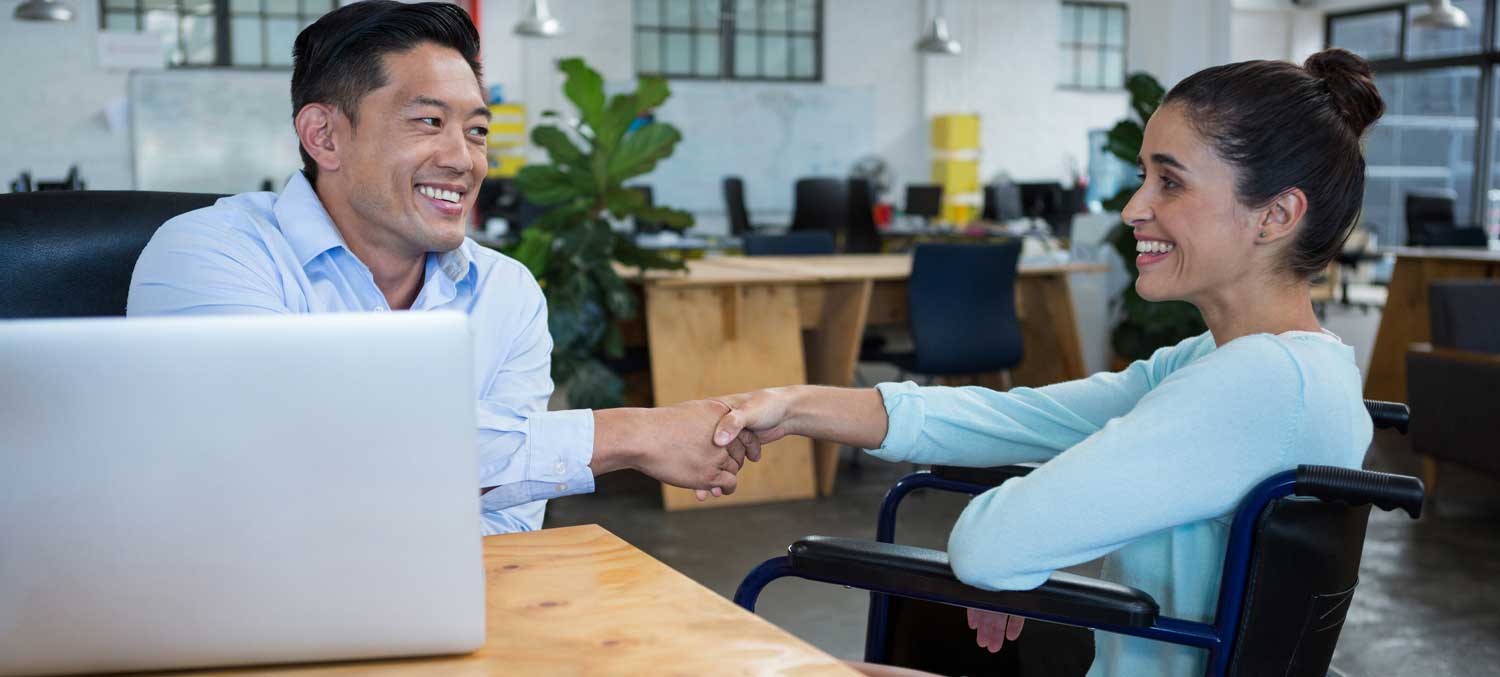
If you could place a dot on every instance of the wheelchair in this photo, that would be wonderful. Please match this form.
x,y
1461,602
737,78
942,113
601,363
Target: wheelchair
x,y
1290,570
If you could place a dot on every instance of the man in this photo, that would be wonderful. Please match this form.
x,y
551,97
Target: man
x,y
392,125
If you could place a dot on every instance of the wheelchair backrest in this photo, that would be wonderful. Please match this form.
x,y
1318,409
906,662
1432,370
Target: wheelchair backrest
x,y
1302,573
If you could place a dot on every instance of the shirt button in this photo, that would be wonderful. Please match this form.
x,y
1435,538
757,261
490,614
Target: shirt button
x,y
560,467
562,487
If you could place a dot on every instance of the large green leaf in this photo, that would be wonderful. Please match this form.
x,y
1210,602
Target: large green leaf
x,y
559,147
585,88
622,202
630,254
1124,141
614,121
1145,95
591,385
650,93
618,298
545,184
640,150
534,250
672,218
572,212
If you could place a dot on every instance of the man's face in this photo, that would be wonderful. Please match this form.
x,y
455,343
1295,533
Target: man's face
x,y
416,157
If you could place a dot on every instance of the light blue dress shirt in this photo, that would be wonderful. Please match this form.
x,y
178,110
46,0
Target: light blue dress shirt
x,y
269,253
1143,467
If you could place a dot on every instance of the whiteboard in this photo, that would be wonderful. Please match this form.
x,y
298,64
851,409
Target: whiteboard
x,y
211,131
769,134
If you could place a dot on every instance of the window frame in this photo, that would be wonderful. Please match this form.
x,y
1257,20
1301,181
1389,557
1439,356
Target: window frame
x,y
1486,58
1079,48
223,16
727,32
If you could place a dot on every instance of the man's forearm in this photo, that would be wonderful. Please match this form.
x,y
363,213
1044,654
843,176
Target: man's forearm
x,y
617,439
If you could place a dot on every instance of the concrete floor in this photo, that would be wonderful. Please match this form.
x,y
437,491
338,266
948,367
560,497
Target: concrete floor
x,y
1428,601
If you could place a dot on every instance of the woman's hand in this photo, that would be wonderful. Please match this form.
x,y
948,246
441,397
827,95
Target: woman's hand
x,y
994,628
754,418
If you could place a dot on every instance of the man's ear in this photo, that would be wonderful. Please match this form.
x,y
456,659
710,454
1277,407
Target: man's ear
x,y
314,124
1280,217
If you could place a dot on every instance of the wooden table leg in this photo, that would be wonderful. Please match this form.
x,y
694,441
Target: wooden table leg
x,y
832,354
718,340
1049,334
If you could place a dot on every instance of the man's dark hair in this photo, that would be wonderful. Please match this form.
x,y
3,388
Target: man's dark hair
x,y
340,57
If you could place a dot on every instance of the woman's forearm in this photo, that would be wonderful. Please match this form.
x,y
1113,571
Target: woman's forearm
x,y
851,416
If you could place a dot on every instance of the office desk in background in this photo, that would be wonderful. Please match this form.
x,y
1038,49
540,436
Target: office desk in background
x,y
1405,320
581,601
733,324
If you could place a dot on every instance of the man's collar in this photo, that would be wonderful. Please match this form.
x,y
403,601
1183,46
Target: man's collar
x,y
310,230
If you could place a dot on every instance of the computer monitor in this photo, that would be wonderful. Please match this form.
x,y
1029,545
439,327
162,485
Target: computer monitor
x,y
1002,202
924,200
209,491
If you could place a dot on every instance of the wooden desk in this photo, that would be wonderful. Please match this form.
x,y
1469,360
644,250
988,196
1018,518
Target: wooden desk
x,y
1405,320
732,324
580,601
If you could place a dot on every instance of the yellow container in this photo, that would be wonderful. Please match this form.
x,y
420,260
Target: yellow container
x,y
959,213
955,132
505,165
956,176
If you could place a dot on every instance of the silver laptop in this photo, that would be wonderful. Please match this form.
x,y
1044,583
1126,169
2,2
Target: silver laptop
x,y
186,492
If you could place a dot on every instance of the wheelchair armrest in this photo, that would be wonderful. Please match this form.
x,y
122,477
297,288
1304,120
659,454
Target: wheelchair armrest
x,y
989,477
925,574
1361,487
1389,414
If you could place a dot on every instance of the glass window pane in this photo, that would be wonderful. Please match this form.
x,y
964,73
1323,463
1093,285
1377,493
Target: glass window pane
x,y
1091,21
804,57
708,13
119,21
280,33
1372,36
647,51
1114,69
1090,66
1068,26
648,12
198,39
1067,67
1491,218
164,24
1114,27
281,6
678,13
747,15
244,41
244,6
708,54
119,4
746,55
1422,41
316,8
805,15
1425,141
678,59
775,62
198,7
774,15
168,5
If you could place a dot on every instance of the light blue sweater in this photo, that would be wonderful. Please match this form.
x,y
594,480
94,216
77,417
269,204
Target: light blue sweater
x,y
1144,467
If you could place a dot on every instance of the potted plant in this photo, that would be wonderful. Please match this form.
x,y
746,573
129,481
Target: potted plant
x,y
571,248
1143,326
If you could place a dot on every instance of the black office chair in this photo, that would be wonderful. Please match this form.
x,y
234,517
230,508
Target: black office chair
x,y
1449,235
806,243
1290,569
734,206
1002,202
821,204
71,253
1428,209
862,237
961,299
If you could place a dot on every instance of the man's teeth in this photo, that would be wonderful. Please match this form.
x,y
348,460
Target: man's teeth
x,y
439,194
1154,246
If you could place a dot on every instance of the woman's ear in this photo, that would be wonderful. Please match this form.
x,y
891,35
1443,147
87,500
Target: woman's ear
x,y
1279,218
314,124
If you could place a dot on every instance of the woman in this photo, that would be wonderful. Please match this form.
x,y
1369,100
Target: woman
x,y
1253,177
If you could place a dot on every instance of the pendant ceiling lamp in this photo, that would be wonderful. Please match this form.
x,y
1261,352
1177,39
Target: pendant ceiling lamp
x,y
538,22
43,10
937,40
1442,14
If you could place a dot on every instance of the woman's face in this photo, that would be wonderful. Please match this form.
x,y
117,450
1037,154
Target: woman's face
x,y
1194,240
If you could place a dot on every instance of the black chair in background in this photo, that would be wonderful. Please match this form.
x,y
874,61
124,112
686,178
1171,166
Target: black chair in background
x,y
1451,381
862,237
924,200
1429,209
1289,573
734,206
71,253
807,243
961,299
1002,202
1449,235
821,204
643,226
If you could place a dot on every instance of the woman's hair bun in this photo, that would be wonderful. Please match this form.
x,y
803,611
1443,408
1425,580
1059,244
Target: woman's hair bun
x,y
1352,87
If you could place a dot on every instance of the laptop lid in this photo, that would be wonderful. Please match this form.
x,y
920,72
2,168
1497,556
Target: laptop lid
x,y
183,492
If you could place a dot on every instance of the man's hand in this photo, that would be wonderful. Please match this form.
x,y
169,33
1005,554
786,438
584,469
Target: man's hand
x,y
994,628
672,444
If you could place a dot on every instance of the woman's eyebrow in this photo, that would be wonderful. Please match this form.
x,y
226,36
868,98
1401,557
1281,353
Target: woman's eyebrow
x,y
1169,161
